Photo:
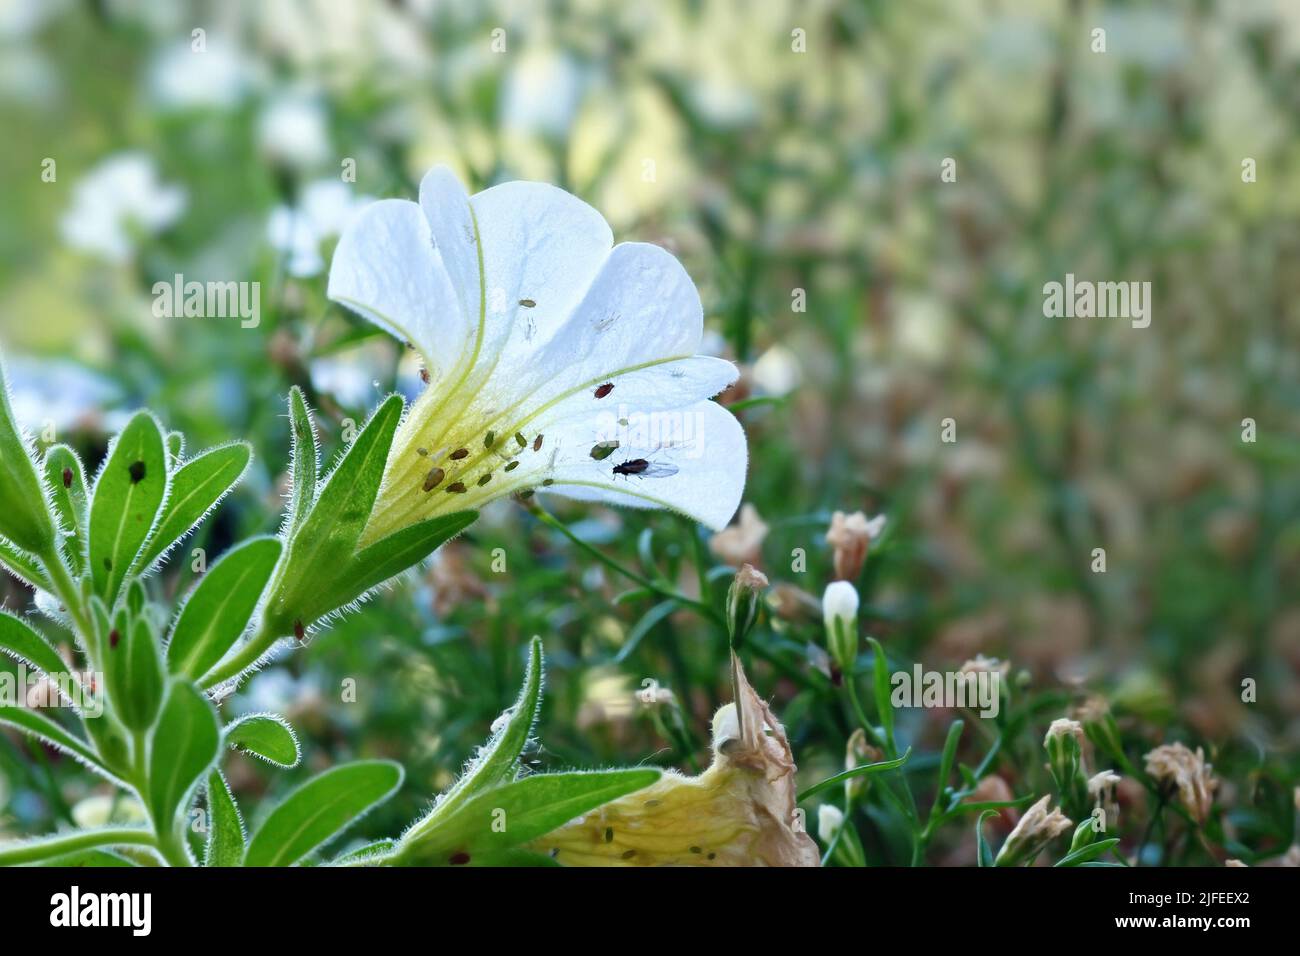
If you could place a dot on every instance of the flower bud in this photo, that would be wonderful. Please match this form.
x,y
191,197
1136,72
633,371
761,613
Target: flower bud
x,y
856,754
850,536
830,819
742,602
840,613
1036,829
24,516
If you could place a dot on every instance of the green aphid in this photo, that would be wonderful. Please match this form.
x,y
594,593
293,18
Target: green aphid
x,y
520,439
485,479
512,466
602,450
489,440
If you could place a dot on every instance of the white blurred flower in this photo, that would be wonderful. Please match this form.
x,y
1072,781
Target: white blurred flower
x,y
326,209
57,392
181,77
542,94
777,371
118,201
293,131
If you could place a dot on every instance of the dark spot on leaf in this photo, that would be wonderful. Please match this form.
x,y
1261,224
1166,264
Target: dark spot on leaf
x,y
712,856
136,471
459,859
108,564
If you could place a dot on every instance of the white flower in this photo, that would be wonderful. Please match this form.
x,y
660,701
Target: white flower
x,y
829,820
293,131
116,202
556,360
216,77
325,210
840,603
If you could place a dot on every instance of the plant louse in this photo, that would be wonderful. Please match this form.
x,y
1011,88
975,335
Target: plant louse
x,y
603,390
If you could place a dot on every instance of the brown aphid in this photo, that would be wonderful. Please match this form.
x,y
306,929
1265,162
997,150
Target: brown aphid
x,y
67,477
512,465
458,859
422,452
456,488
433,479
299,632
603,390
634,466
459,453
136,472
424,375
537,443
527,303
113,638
485,479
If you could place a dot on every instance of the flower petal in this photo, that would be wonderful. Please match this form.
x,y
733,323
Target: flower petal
x,y
709,456
386,270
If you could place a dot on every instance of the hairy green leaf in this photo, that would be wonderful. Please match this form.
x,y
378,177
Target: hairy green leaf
x,y
320,809
20,640
220,606
267,736
197,486
305,468
66,481
24,518
225,845
183,747
127,497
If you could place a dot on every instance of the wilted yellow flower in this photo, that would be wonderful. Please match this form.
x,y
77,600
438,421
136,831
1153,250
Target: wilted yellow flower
x,y
1175,766
739,812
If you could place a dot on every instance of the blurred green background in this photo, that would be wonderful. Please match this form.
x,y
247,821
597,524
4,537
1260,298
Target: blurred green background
x,y
778,177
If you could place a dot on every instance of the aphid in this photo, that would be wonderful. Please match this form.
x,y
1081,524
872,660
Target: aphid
x,y
67,477
603,390
489,440
485,479
603,449
513,465
537,443
644,468
433,479
299,632
459,453
422,452
137,472
609,834
548,482
458,859
456,488
628,854
113,638
521,440
424,376
527,303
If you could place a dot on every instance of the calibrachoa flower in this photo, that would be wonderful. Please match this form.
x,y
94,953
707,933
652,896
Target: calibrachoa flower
x,y
738,812
556,360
